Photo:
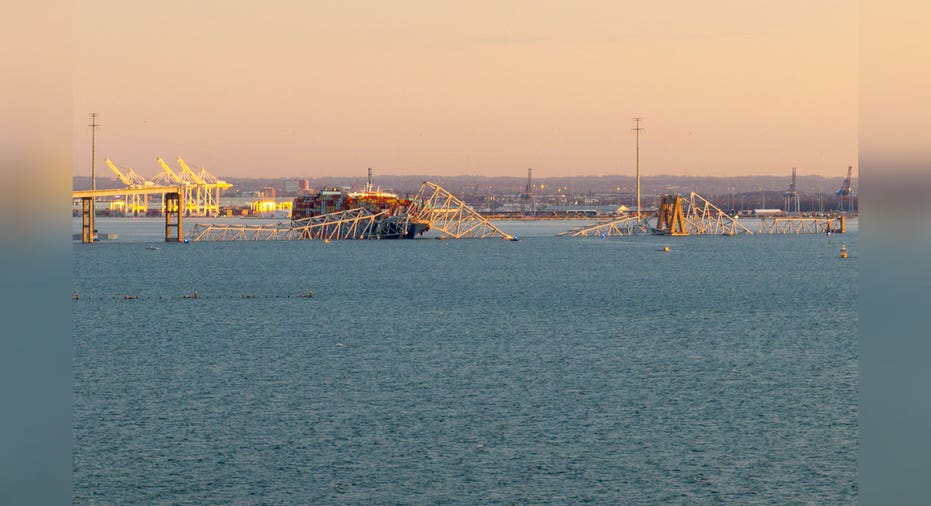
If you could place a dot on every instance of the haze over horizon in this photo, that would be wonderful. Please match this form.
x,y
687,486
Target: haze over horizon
x,y
323,89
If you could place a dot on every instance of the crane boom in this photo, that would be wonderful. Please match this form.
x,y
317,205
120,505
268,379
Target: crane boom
x,y
845,186
119,174
206,176
171,174
187,170
137,179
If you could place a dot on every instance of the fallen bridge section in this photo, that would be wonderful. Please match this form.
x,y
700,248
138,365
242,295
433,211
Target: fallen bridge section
x,y
433,208
703,217
677,216
698,216
802,225
352,224
615,228
443,212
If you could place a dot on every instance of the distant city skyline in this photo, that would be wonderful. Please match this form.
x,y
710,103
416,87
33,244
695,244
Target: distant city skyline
x,y
328,89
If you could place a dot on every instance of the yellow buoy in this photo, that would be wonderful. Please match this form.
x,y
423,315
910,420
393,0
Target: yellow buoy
x,y
843,251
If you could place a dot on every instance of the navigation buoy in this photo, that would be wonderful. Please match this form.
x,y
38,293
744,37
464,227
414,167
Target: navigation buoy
x,y
843,251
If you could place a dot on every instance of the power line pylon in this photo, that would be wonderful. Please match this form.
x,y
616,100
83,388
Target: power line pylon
x,y
638,129
527,196
792,197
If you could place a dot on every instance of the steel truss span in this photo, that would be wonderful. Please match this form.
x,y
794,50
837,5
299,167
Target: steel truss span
x,y
677,216
433,208
352,224
799,225
698,216
451,216
703,217
622,227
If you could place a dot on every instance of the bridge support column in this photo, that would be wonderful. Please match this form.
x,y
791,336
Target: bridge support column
x,y
87,220
173,211
671,218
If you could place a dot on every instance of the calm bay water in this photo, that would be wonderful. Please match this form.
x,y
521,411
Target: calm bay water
x,y
550,370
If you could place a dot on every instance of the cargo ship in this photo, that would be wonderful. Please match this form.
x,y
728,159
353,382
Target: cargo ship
x,y
394,212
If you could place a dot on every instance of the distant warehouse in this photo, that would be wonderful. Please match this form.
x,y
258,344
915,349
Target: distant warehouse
x,y
768,212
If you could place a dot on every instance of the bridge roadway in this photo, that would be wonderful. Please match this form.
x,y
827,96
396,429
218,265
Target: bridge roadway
x,y
433,206
119,192
173,206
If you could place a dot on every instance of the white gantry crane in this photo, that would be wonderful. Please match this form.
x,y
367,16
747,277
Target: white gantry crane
x,y
135,204
201,189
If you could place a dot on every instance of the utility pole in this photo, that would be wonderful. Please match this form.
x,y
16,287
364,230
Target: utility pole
x,y
93,126
638,129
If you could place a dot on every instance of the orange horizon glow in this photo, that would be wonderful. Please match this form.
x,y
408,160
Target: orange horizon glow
x,y
321,89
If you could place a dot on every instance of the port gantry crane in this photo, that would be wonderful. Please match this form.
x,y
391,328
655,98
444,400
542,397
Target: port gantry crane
x,y
201,189
846,192
168,177
198,190
208,188
217,185
134,203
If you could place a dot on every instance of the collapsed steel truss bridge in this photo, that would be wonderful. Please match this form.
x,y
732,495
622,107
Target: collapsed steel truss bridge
x,y
451,216
802,225
434,208
696,215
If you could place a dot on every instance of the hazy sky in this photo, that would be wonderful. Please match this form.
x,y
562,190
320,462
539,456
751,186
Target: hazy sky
x,y
324,88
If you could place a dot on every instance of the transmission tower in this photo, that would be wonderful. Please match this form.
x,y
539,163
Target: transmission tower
x,y
638,129
792,197
527,196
